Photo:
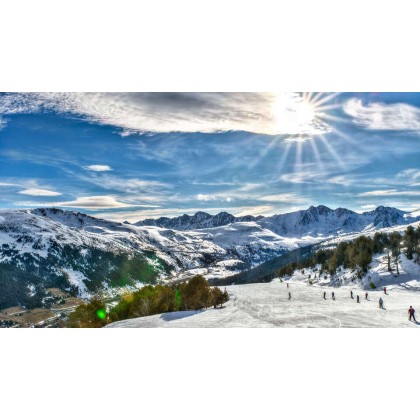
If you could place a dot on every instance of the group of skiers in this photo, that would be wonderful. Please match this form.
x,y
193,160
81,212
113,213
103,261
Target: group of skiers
x,y
411,311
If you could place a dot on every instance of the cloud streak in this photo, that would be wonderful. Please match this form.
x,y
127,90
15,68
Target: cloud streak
x,y
39,192
380,116
384,193
99,168
96,202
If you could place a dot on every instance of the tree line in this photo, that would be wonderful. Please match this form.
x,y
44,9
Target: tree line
x,y
357,254
193,294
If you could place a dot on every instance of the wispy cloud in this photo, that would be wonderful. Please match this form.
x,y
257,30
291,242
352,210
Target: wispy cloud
x,y
89,203
99,168
263,113
410,177
381,116
208,197
368,207
384,193
283,198
133,186
39,192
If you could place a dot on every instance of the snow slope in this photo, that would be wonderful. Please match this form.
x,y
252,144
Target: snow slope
x,y
267,305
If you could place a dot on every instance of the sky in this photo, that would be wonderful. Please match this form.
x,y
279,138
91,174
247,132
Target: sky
x,y
131,156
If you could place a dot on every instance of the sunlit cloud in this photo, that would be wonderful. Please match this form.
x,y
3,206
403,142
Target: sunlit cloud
x,y
380,116
368,207
208,197
263,113
88,203
99,168
39,192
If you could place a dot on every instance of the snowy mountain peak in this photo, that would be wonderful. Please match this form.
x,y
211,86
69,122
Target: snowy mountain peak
x,y
200,220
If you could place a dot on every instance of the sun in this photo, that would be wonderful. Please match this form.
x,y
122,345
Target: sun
x,y
295,115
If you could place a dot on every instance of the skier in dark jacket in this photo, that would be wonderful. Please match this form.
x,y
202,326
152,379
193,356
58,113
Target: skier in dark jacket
x,y
385,290
358,299
366,295
411,312
290,296
351,294
325,295
333,295
381,303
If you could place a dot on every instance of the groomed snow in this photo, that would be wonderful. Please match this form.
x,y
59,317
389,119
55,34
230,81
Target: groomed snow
x,y
267,305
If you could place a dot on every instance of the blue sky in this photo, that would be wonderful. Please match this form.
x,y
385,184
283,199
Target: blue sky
x,y
129,156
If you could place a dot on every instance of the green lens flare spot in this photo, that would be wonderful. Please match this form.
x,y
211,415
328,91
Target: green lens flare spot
x,y
101,313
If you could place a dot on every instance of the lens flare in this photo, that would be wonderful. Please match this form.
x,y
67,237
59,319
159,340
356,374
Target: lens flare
x,y
101,313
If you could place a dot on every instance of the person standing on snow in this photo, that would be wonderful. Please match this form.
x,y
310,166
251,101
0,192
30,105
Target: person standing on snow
x,y
385,290
381,303
351,294
411,312
290,296
287,285
358,299
366,295
333,295
325,295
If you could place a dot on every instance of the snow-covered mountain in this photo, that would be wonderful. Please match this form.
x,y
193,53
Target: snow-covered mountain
x,y
87,255
200,220
323,221
313,221
43,248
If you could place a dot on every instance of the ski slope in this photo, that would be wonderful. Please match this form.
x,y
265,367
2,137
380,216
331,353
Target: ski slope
x,y
267,305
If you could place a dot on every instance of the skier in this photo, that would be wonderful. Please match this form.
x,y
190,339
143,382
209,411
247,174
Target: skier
x,y
290,296
385,290
411,312
358,299
333,295
366,295
351,294
325,295
287,285
381,303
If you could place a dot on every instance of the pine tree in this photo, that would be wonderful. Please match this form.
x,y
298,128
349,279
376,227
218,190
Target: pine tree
x,y
395,239
410,242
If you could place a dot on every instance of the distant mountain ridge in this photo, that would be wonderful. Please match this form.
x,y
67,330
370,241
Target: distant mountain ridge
x,y
320,219
200,220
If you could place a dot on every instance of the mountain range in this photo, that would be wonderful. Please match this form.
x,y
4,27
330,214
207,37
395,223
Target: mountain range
x,y
320,219
42,248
